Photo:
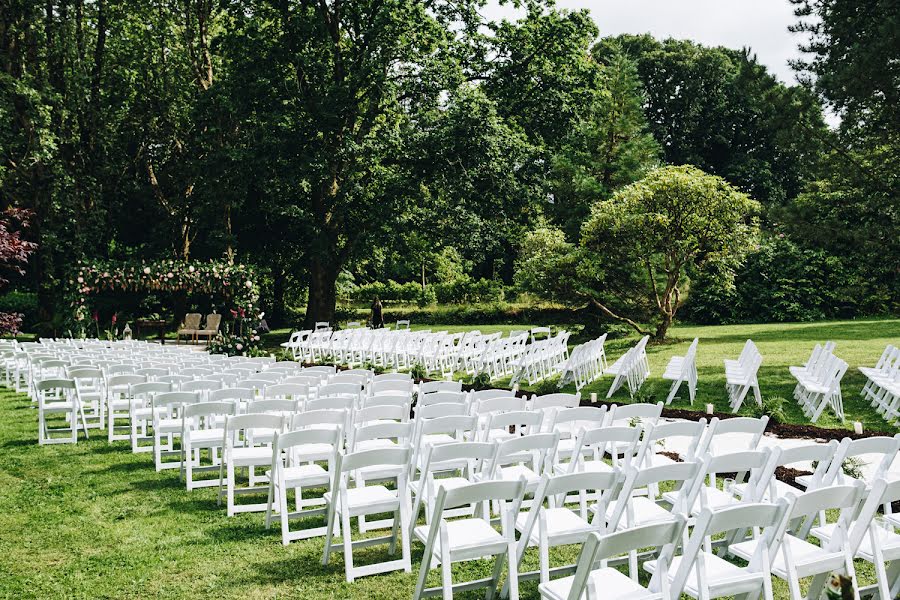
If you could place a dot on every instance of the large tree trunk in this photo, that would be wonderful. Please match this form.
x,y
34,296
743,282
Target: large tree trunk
x,y
663,326
322,291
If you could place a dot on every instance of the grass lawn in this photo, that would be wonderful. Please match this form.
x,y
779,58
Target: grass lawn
x,y
94,520
859,342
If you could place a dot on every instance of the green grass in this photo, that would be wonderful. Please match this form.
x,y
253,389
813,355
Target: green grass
x,y
94,520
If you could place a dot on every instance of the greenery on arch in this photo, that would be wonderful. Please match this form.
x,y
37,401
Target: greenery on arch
x,y
237,283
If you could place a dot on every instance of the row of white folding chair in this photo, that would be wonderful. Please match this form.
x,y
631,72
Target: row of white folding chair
x,y
819,385
632,368
741,376
683,369
586,363
882,386
542,359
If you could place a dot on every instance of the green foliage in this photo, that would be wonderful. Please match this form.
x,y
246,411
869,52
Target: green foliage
x,y
24,303
853,467
547,386
639,247
377,369
389,291
607,148
772,407
480,381
781,281
418,371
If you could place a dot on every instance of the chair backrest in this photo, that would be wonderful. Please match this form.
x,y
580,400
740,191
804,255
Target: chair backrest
x,y
232,393
401,432
369,458
381,412
55,384
273,405
427,387
194,412
121,383
540,446
643,413
339,389
312,418
658,434
388,400
499,404
287,390
392,377
302,437
213,320
175,380
201,385
486,394
582,416
442,398
331,403
683,475
523,421
237,423
391,386
174,400
442,409
557,400
808,506
148,388
752,426
192,321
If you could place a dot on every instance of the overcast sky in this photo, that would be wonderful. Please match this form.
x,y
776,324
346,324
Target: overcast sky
x,y
758,24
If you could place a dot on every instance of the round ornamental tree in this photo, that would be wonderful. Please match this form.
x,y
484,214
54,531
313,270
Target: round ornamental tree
x,y
646,239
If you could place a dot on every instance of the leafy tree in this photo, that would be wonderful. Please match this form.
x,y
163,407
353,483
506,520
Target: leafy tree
x,y
14,253
720,110
638,247
608,148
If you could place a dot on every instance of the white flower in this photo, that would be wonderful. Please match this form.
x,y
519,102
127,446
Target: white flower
x,y
146,270
191,269
249,284
255,338
81,280
170,275
239,347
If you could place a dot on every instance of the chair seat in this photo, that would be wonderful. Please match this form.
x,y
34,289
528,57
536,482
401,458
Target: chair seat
x,y
206,436
167,426
715,499
436,439
249,457
589,466
601,583
466,534
303,452
374,445
674,368
367,500
808,558
515,472
644,512
143,413
59,406
305,475
890,543
719,573
560,522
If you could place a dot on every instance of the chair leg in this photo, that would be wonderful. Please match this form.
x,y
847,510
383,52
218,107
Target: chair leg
x,y
348,546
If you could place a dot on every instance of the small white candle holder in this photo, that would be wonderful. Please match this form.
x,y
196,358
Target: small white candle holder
x,y
710,409
857,427
594,397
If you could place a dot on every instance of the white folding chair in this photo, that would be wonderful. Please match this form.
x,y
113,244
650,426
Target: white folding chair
x,y
118,405
247,452
797,558
140,410
346,502
448,541
166,409
58,397
201,429
555,524
700,573
294,467
683,369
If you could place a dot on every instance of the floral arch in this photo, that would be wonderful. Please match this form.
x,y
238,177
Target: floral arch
x,y
237,283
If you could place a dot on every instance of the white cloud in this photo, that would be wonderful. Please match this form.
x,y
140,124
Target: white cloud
x,y
760,25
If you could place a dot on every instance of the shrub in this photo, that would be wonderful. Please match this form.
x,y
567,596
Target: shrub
x,y
25,303
547,386
480,381
773,407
